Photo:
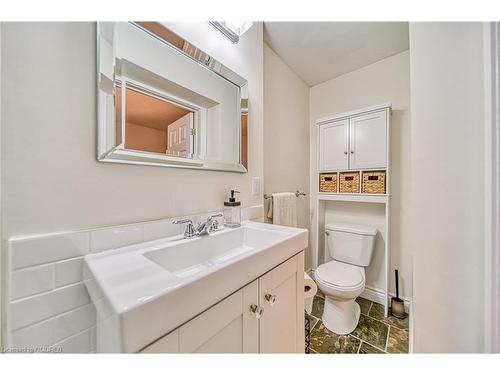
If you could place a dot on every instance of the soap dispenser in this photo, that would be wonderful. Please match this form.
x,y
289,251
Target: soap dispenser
x,y
232,212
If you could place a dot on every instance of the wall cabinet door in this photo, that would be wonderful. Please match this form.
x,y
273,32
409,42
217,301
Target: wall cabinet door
x,y
368,141
282,298
228,327
334,145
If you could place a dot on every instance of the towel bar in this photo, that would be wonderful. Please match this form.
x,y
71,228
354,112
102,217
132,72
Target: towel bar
x,y
297,194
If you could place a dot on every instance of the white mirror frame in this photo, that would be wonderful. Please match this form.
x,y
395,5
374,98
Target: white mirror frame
x,y
108,151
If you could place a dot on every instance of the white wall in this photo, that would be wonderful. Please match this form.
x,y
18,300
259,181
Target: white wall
x,y
51,180
384,81
286,133
447,143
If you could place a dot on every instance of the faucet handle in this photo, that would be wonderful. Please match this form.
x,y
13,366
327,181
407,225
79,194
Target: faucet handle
x,y
190,231
214,225
211,217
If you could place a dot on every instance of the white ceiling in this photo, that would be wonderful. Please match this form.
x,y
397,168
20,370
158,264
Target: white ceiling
x,y
319,51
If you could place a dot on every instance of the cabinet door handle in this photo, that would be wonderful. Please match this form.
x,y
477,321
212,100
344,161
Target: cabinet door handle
x,y
257,311
271,298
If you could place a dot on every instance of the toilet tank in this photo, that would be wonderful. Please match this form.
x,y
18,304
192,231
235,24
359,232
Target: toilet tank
x,y
350,243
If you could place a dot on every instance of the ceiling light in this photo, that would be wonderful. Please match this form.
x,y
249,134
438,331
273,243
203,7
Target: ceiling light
x,y
232,29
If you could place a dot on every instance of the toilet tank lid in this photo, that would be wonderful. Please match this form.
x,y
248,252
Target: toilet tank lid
x,y
352,228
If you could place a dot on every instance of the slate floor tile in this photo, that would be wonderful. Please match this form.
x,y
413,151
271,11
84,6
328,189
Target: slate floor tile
x,y
324,341
372,331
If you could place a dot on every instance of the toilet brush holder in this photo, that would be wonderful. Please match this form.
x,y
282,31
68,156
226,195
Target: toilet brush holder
x,y
397,304
398,308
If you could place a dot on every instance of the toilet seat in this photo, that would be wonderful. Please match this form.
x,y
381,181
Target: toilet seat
x,y
340,275
340,280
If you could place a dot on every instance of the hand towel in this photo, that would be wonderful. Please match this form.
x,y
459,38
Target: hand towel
x,y
284,209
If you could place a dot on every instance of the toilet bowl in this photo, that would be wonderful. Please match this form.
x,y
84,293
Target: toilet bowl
x,y
341,284
342,279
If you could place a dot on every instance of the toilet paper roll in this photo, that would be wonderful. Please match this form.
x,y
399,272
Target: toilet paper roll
x,y
310,289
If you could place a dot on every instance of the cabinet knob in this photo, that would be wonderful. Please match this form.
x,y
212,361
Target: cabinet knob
x,y
352,152
271,298
345,152
257,311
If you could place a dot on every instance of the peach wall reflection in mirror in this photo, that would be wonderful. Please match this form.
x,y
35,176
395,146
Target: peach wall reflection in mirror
x,y
149,121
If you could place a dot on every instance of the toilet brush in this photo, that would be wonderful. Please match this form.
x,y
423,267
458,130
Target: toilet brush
x,y
397,304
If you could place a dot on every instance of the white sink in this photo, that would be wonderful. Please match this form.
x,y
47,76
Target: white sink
x,y
192,257
144,291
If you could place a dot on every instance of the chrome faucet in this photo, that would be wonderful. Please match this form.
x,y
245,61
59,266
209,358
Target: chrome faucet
x,y
209,226
190,232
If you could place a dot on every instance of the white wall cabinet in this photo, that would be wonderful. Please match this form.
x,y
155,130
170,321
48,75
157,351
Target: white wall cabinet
x,y
368,141
355,142
334,145
266,316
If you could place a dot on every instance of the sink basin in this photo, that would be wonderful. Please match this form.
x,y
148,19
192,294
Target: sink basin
x,y
142,292
192,257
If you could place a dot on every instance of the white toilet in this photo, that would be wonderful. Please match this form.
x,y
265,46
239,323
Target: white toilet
x,y
343,278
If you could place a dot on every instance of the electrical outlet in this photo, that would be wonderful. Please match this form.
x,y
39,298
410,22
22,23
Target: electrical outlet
x,y
255,185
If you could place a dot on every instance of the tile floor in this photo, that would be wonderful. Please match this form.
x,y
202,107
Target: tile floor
x,y
374,334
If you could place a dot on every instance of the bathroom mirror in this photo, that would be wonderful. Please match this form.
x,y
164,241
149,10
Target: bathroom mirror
x,y
162,101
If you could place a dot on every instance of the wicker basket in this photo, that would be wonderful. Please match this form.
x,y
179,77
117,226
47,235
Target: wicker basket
x,y
373,182
349,182
328,182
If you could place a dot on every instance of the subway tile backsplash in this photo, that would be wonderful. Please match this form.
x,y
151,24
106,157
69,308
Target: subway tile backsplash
x,y
48,304
50,248
32,280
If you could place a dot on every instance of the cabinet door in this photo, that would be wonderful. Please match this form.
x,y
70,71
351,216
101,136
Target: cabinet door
x,y
333,145
368,141
282,298
228,327
167,344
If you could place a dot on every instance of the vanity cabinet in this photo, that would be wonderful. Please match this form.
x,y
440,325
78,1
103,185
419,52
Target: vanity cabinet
x,y
265,316
355,142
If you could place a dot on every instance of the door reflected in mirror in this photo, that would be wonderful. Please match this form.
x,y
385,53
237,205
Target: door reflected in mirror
x,y
153,124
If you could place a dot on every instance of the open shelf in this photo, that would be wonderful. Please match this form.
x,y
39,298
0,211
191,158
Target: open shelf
x,y
345,197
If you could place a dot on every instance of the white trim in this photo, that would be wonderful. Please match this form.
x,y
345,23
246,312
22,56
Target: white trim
x,y
492,188
346,197
356,112
410,328
3,261
378,295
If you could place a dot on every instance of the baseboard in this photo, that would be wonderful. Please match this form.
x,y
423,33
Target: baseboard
x,y
377,295
374,294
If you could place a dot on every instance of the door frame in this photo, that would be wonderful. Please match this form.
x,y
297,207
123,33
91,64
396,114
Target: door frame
x,y
492,186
